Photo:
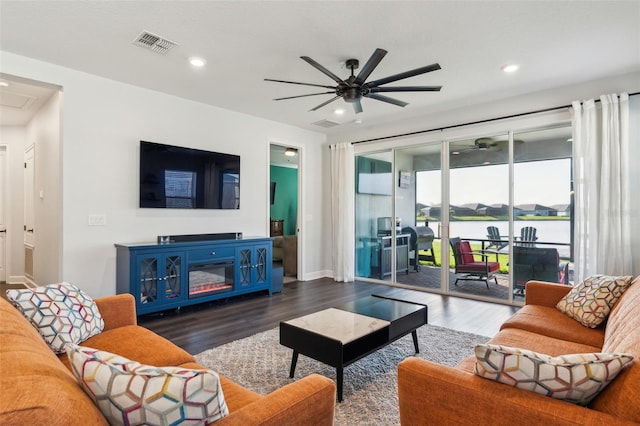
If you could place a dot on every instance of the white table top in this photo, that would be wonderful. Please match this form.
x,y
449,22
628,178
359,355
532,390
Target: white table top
x,y
338,324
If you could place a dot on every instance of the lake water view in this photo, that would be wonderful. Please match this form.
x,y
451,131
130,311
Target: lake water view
x,y
548,231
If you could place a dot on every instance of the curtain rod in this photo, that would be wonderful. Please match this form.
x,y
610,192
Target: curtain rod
x,y
488,120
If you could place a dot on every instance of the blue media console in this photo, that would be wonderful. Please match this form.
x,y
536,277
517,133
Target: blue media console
x,y
168,275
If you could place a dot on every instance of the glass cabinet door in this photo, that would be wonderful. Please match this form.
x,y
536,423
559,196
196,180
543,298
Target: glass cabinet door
x,y
160,279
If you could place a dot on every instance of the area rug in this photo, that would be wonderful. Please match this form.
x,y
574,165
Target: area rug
x,y
261,364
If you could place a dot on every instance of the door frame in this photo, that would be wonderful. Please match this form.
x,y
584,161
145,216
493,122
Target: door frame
x,y
300,213
4,187
29,241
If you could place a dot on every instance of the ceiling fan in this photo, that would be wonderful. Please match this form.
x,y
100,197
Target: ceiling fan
x,y
354,88
486,144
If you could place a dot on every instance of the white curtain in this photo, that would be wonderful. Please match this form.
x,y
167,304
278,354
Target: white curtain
x,y
343,211
602,187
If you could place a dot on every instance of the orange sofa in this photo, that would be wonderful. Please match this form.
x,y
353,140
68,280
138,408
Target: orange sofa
x,y
435,394
38,387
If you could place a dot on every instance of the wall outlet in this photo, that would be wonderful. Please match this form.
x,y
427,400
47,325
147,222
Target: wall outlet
x,y
96,220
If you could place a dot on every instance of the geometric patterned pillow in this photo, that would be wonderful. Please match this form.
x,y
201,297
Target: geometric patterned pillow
x,y
62,313
590,302
128,393
575,378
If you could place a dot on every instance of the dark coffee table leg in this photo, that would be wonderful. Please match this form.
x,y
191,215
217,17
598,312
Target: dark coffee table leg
x,y
414,334
340,379
294,361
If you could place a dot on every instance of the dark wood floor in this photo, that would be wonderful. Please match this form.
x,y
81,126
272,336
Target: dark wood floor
x,y
204,326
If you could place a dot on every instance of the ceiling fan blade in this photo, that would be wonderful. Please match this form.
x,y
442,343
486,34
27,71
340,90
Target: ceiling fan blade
x,y
402,75
368,68
324,103
406,89
303,84
303,96
357,106
387,99
322,69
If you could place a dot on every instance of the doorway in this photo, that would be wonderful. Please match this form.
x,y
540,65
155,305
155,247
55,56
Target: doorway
x,y
284,211
29,216
31,120
3,215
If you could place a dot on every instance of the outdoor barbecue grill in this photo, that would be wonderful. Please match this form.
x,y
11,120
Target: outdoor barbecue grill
x,y
421,239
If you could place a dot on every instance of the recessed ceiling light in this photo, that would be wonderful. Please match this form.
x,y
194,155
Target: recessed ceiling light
x,y
4,84
197,61
509,68
455,153
339,111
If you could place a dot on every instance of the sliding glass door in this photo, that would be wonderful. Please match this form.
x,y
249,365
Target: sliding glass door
x,y
374,224
542,207
418,204
479,216
474,217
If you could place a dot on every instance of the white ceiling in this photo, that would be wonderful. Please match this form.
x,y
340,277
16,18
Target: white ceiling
x,y
556,43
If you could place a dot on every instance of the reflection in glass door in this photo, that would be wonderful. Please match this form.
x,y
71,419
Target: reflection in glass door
x,y
374,225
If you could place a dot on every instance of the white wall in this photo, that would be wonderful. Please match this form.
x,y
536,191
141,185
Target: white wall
x,y
103,122
14,138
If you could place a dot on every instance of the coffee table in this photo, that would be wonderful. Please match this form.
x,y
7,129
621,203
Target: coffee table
x,y
342,335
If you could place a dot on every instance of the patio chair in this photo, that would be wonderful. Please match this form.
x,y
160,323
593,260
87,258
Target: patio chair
x,y
466,265
540,264
528,236
496,242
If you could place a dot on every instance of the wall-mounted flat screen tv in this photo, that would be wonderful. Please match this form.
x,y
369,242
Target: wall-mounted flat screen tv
x,y
183,178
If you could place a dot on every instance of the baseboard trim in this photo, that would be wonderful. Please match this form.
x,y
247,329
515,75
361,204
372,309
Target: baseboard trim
x,y
317,275
30,283
16,279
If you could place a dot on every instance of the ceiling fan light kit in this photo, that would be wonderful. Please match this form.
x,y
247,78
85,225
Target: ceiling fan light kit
x,y
354,88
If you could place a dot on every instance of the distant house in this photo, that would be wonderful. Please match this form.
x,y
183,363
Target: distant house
x,y
420,208
462,211
534,210
474,206
431,211
562,209
494,210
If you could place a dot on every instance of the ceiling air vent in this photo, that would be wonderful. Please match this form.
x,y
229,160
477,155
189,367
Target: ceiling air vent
x,y
326,123
154,42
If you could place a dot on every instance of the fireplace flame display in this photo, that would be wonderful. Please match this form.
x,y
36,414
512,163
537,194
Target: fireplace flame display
x,y
214,277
